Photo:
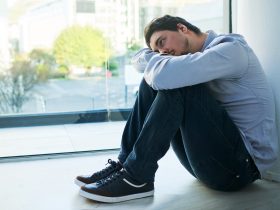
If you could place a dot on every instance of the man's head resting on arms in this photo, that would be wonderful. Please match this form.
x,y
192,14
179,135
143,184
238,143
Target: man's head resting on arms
x,y
173,35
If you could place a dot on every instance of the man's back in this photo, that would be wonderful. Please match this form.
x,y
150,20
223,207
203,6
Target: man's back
x,y
249,101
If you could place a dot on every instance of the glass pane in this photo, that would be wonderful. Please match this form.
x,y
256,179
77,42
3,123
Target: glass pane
x,y
74,55
127,23
61,56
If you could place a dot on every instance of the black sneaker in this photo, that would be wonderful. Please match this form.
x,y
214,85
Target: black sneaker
x,y
116,188
88,179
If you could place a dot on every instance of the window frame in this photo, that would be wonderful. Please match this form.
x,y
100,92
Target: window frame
x,y
104,115
60,118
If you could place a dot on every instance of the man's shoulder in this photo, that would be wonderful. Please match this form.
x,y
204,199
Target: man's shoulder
x,y
231,38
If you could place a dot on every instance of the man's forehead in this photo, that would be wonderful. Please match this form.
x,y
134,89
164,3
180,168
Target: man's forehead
x,y
155,36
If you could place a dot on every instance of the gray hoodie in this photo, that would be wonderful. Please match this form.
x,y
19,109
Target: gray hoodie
x,y
234,75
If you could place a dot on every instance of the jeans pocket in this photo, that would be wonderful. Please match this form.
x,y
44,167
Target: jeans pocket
x,y
247,173
219,175
215,174
253,171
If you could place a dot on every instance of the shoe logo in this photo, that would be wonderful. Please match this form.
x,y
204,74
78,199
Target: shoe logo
x,y
134,185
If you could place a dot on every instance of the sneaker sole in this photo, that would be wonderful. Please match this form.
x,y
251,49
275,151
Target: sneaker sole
x,y
79,183
106,199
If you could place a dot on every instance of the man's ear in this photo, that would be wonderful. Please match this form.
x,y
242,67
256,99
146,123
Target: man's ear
x,y
181,27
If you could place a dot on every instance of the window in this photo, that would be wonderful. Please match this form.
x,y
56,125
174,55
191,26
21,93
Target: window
x,y
69,61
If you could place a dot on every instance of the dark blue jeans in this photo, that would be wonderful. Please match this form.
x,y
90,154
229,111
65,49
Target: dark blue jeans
x,y
206,141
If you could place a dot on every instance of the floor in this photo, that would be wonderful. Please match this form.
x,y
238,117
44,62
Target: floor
x,y
48,184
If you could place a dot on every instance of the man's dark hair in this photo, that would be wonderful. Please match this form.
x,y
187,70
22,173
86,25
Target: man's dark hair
x,y
166,22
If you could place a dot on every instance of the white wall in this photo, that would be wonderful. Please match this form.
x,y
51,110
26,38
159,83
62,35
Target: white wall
x,y
258,21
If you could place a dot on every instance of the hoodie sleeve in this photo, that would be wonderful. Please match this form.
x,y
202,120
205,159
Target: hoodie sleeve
x,y
141,59
225,60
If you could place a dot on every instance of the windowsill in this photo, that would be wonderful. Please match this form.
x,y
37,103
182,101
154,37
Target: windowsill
x,y
60,138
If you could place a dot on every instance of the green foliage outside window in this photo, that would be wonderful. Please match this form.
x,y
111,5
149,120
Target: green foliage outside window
x,y
44,63
81,46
